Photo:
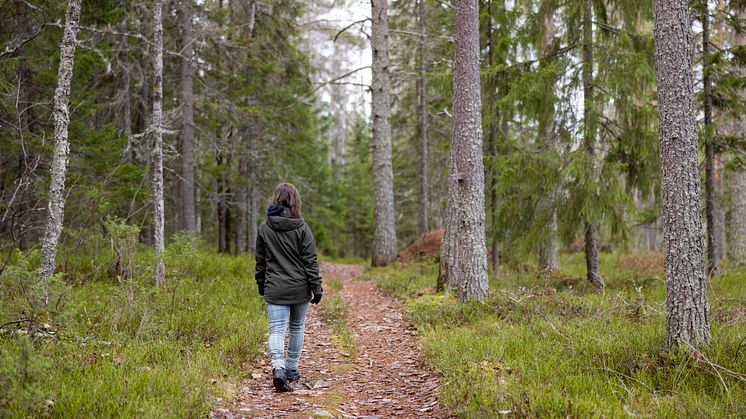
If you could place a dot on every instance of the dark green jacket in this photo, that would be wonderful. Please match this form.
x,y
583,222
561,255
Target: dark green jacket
x,y
286,265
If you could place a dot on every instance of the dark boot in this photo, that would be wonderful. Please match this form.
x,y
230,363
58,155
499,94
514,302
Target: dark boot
x,y
292,375
279,379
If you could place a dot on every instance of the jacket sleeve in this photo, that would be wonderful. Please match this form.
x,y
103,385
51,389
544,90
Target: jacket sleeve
x,y
261,260
310,262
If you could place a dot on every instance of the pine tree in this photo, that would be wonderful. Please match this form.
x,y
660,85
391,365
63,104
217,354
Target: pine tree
x,y
384,234
466,177
687,317
188,206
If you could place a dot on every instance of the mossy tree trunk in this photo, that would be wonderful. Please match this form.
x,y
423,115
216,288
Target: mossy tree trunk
x,y
56,206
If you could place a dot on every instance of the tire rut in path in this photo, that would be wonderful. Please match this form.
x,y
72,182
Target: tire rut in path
x,y
385,378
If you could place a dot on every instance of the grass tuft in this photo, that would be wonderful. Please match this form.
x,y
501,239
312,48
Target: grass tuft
x,y
555,347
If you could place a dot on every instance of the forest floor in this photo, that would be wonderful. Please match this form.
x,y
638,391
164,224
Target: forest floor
x,y
360,359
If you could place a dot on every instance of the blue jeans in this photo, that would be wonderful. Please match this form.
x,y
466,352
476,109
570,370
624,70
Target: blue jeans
x,y
278,316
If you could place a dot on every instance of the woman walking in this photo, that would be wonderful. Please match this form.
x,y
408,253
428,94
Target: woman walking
x,y
287,274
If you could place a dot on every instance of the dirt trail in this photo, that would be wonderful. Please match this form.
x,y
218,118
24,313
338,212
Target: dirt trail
x,y
385,377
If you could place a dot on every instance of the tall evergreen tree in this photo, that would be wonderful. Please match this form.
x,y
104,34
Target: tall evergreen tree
x,y
466,174
687,311
384,234
188,206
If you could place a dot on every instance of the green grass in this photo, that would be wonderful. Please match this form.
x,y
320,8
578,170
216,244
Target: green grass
x,y
555,347
129,349
334,310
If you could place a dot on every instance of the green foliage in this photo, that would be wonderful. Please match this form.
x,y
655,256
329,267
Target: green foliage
x,y
130,349
22,299
553,347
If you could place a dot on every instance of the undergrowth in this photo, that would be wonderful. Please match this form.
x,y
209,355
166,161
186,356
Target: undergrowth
x,y
334,310
553,347
117,346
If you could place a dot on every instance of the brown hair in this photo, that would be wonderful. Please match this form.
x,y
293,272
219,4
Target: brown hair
x,y
287,195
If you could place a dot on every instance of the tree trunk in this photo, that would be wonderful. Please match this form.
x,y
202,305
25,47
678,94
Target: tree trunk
x,y
469,268
56,207
548,248
253,204
713,261
384,229
447,246
589,128
127,153
242,204
738,215
222,207
422,114
737,179
687,319
188,205
157,155
491,171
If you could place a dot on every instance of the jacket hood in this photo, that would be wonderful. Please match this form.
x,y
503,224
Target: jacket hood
x,y
279,219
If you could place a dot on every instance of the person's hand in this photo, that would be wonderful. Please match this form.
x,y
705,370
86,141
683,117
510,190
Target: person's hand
x,y
316,297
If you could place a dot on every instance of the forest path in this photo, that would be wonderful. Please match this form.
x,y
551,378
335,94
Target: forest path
x,y
381,377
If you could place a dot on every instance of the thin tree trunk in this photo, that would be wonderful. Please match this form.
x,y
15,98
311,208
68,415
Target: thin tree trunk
x,y
687,318
470,248
127,153
242,205
491,171
589,127
738,215
157,155
56,208
188,206
447,247
737,179
246,161
422,114
253,204
222,207
384,226
548,248
711,203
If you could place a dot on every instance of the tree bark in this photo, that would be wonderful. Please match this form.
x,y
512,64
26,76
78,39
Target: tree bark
x,y
713,260
56,207
157,155
469,268
253,204
384,229
422,114
188,205
687,318
242,217
548,247
589,127
737,179
492,170
738,215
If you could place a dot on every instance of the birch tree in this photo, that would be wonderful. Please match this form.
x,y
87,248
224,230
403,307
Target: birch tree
x,y
157,131
466,172
687,318
384,228
56,206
